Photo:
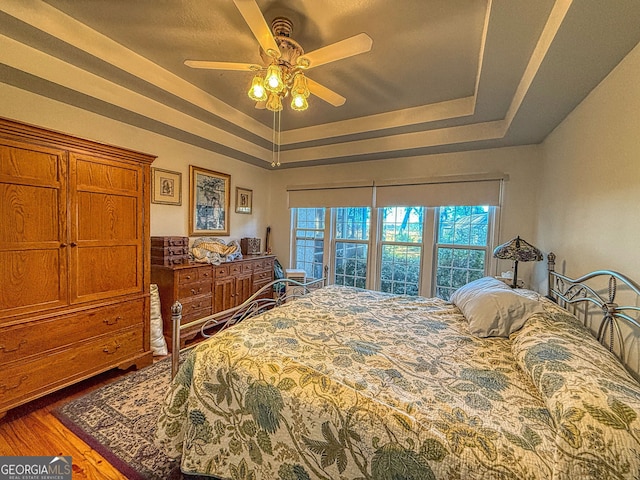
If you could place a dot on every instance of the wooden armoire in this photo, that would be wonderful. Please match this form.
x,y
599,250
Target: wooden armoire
x,y
74,260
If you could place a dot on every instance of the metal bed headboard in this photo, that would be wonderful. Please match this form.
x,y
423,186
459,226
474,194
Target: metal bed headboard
x,y
571,292
254,305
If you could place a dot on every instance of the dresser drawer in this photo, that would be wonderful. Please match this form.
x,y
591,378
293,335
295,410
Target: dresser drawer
x,y
22,381
192,289
247,267
195,274
235,269
21,341
263,264
263,276
221,271
200,303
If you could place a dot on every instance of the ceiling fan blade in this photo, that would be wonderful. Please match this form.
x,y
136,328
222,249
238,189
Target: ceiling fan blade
x,y
348,47
253,16
245,67
325,94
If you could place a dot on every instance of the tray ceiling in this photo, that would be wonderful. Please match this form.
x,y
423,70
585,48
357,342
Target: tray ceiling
x,y
443,75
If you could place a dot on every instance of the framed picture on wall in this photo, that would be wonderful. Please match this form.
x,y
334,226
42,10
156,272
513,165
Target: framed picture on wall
x,y
166,187
244,200
209,194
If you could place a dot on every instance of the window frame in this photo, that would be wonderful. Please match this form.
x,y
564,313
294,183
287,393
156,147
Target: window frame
x,y
428,266
492,236
381,243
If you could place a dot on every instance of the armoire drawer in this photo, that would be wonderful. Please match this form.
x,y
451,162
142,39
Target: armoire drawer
x,y
24,380
34,338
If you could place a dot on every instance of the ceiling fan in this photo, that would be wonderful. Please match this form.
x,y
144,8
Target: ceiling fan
x,y
285,62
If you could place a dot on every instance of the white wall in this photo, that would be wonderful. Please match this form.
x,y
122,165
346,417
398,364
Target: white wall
x,y
520,195
172,155
589,198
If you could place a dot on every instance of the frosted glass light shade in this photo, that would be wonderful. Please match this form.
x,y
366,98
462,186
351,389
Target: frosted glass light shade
x,y
300,85
274,103
273,79
299,103
257,91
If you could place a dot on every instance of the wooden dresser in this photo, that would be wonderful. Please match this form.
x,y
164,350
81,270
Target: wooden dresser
x,y
204,289
74,261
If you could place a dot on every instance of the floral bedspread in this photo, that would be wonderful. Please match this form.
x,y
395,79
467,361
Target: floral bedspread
x,y
353,384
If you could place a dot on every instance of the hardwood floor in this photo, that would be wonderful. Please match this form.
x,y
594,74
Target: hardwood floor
x,y
31,429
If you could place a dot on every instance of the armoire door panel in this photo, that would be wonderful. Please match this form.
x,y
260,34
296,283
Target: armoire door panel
x,y
29,214
27,283
106,176
105,271
107,217
33,235
30,163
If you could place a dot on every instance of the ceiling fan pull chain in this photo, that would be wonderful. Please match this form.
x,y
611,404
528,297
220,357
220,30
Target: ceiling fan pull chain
x,y
273,141
279,135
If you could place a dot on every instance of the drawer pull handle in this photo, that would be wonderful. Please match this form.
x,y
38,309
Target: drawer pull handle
x,y
196,292
73,244
188,277
5,388
111,349
62,245
4,348
112,321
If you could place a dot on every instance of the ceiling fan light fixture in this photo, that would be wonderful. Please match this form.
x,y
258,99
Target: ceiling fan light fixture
x,y
257,92
299,103
274,103
273,79
300,86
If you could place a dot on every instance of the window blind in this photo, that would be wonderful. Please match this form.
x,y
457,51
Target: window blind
x,y
477,189
436,194
329,196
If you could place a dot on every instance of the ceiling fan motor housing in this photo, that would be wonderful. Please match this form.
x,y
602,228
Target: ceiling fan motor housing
x,y
290,50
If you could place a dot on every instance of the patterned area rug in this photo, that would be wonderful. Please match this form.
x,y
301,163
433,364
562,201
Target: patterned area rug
x,y
119,421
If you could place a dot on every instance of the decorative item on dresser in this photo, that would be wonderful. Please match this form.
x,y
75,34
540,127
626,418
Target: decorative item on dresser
x,y
204,289
169,250
250,246
74,260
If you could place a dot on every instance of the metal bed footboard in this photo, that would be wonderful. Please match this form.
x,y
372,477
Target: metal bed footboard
x,y
252,306
568,291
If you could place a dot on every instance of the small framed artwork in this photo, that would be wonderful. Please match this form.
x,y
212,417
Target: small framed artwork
x,y
244,200
209,200
166,187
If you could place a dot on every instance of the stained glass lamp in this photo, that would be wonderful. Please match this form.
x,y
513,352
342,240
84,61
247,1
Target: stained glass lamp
x,y
518,250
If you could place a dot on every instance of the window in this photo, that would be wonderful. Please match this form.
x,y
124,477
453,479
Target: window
x,y
462,247
351,245
309,240
401,249
390,242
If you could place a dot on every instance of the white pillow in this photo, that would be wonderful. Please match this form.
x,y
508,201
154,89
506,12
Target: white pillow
x,y
158,343
492,308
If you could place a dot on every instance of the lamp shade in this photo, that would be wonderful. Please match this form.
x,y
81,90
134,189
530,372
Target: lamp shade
x,y
273,79
519,250
257,91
